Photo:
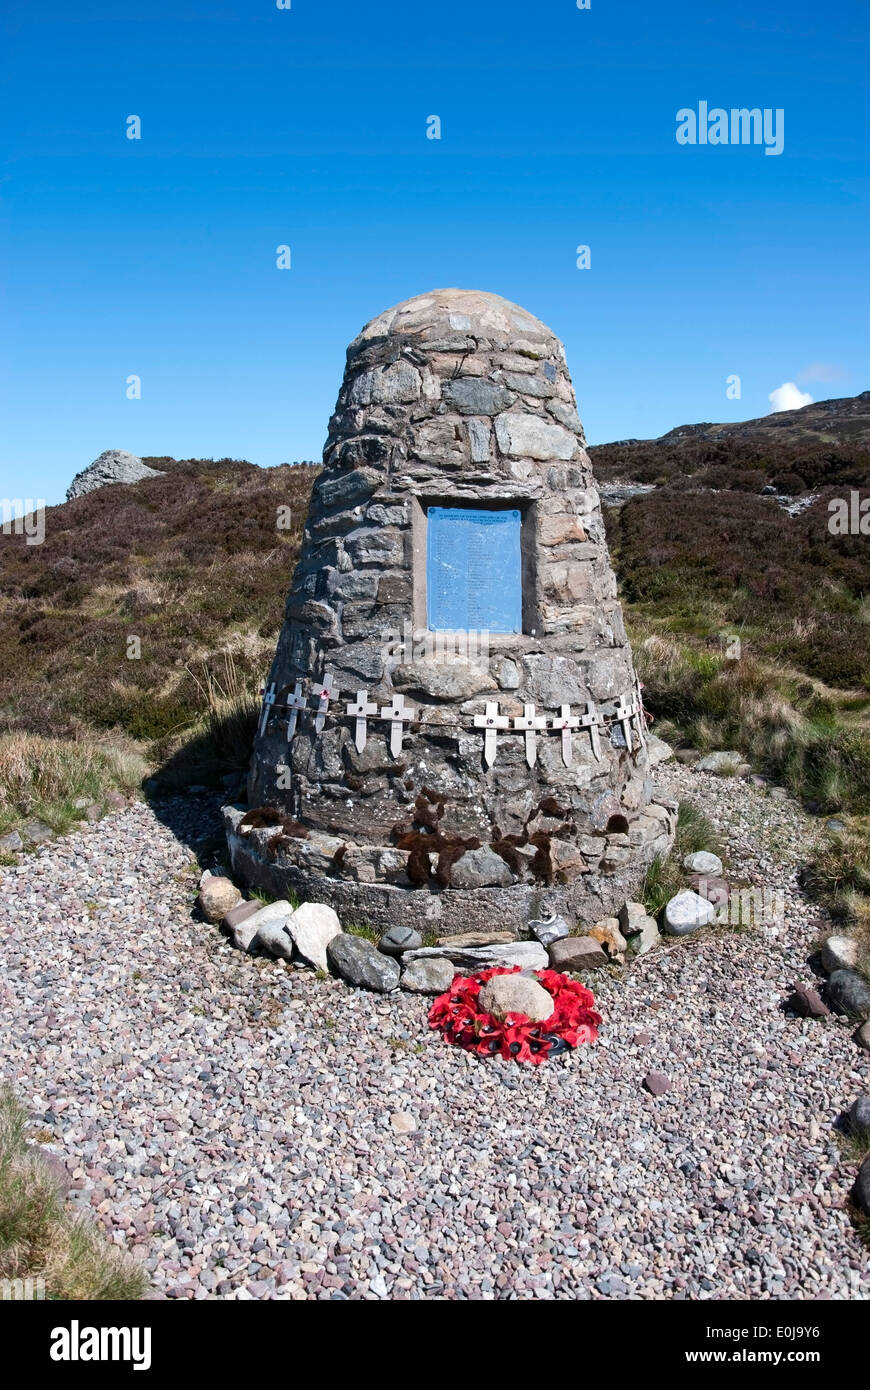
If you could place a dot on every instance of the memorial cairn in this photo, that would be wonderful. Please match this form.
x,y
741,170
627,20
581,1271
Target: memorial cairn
x,y
452,738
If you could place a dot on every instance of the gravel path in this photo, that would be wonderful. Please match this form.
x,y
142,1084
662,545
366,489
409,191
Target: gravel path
x,y
234,1121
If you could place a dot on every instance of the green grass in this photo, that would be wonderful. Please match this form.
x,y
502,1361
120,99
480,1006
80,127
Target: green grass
x,y
41,778
39,1239
665,877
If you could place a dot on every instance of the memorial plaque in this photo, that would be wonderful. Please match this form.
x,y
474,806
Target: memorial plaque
x,y
474,570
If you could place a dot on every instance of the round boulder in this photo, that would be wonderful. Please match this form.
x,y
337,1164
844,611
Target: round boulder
x,y
399,939
849,993
217,897
701,862
859,1116
516,994
839,953
687,912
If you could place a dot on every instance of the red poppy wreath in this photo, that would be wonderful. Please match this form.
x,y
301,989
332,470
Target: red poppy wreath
x,y
462,1021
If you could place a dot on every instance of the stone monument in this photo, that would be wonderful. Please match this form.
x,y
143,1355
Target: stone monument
x,y
452,734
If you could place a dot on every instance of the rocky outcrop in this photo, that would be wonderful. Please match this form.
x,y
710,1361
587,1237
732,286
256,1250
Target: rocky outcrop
x,y
113,466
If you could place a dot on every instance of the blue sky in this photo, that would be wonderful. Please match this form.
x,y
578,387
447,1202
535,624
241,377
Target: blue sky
x,y
307,127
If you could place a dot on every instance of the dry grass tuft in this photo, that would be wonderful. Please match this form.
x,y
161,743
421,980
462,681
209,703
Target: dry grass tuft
x,y
39,1239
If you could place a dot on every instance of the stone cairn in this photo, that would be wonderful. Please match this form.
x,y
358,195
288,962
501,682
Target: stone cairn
x,y
410,773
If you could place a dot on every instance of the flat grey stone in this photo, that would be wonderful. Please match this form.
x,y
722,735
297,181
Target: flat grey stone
x,y
11,843
529,955
473,395
528,436
433,975
36,832
723,763
577,953
244,932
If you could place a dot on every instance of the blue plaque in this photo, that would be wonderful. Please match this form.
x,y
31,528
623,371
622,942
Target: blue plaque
x,y
474,570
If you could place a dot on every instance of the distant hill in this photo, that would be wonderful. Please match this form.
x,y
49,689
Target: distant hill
x,y
190,562
826,444
705,544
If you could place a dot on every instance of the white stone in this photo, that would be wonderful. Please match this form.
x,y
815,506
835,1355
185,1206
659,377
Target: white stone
x,y
702,862
687,912
312,927
528,436
839,953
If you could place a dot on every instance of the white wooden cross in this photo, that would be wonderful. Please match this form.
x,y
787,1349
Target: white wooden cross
x,y
492,721
323,694
566,721
529,721
624,712
591,720
269,698
295,702
640,717
396,712
361,709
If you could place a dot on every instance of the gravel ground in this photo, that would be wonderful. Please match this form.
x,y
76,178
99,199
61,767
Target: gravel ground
x,y
234,1121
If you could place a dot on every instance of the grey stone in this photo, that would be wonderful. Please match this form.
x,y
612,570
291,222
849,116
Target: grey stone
x,y
528,955
361,964
549,929
862,1037
312,927
657,750
645,936
515,994
243,933
657,1083
391,385
849,993
577,953
859,1116
112,466
835,826
274,937
480,868
702,862
454,679
36,832
723,763
433,975
460,940
839,953
687,912
528,436
398,940
631,917
240,913
473,396
11,843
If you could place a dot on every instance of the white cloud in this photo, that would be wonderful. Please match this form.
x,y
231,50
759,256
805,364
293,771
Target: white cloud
x,y
788,397
823,371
